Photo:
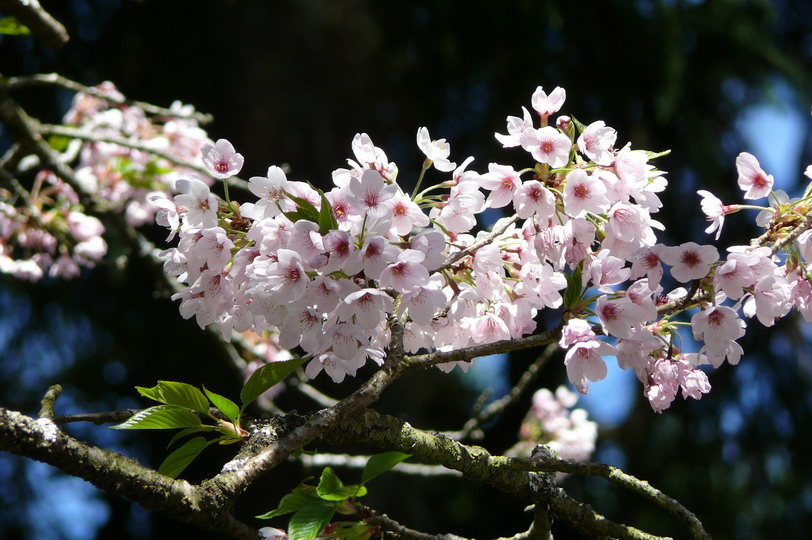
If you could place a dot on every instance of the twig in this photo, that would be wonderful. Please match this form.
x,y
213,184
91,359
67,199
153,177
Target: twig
x,y
493,235
48,402
616,476
42,25
55,79
109,417
498,406
399,531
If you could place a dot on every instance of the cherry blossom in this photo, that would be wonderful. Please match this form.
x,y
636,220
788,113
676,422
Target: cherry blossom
x,y
689,260
545,104
221,160
596,142
547,145
584,193
752,178
436,151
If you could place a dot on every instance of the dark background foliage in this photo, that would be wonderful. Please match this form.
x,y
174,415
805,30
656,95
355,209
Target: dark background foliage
x,y
292,82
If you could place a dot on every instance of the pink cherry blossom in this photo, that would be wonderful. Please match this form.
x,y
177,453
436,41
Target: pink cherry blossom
x,y
370,192
502,181
200,204
596,142
545,104
406,215
407,273
221,159
515,127
714,210
436,151
547,145
689,260
584,363
584,193
752,179
533,198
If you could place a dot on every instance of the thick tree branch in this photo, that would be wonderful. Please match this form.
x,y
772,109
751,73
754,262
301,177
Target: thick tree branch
x,y
42,440
478,464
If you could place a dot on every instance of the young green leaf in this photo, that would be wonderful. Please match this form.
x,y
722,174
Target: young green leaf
x,y
307,523
177,461
161,417
574,288
226,406
380,463
177,393
331,488
267,376
12,27
188,431
297,499
327,221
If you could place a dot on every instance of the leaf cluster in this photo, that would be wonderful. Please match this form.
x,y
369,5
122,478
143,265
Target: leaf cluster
x,y
313,507
187,408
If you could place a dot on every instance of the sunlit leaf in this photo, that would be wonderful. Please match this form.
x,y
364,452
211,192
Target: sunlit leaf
x,y
307,523
327,221
161,417
177,393
176,462
380,463
300,497
226,406
267,376
331,488
188,431
12,27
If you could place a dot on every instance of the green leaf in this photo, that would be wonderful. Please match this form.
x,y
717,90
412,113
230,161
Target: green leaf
x,y
578,124
307,523
380,463
12,27
574,288
177,461
267,376
57,142
226,406
655,155
161,417
306,207
188,431
177,393
331,488
327,221
300,497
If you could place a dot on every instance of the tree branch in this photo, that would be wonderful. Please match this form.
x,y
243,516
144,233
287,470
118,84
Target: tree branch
x,y
503,403
399,531
42,25
551,463
42,440
54,79
479,244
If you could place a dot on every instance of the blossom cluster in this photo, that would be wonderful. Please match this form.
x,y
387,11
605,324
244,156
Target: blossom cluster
x,y
553,421
46,231
332,271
